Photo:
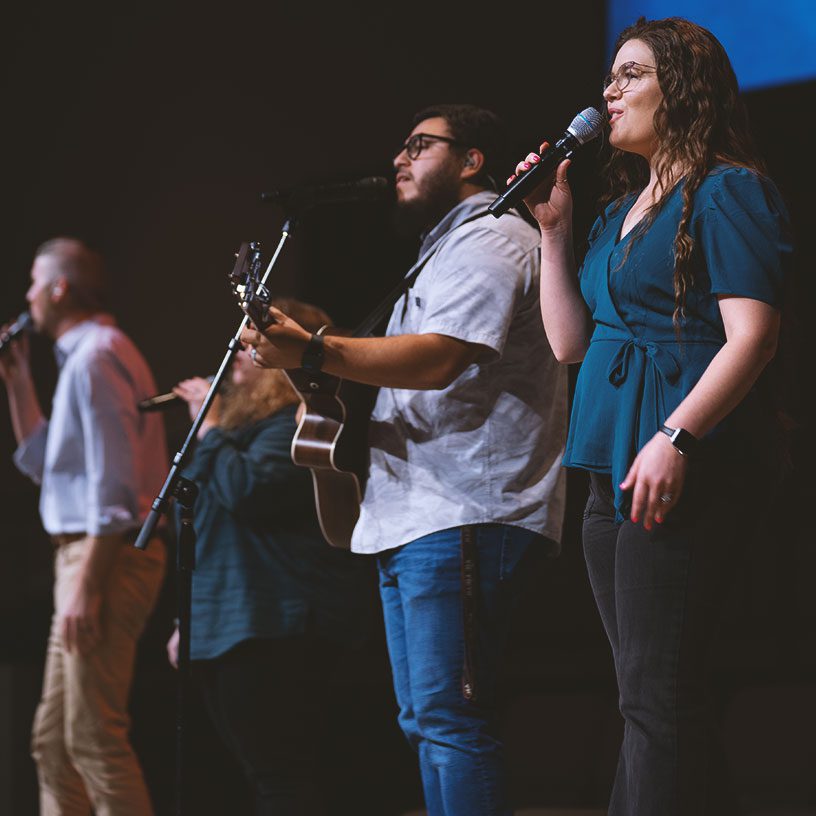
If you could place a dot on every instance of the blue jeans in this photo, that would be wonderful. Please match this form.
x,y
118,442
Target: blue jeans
x,y
460,756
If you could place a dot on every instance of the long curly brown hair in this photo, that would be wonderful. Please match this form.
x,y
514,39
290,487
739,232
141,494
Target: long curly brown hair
x,y
272,391
700,122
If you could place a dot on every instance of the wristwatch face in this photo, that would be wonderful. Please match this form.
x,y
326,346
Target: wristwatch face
x,y
681,439
685,440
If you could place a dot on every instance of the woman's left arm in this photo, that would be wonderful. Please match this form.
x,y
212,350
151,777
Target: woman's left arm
x,y
751,332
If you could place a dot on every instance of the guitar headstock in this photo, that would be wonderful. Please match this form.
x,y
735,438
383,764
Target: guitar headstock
x,y
253,297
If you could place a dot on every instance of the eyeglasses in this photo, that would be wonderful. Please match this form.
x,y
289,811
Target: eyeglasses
x,y
628,72
419,141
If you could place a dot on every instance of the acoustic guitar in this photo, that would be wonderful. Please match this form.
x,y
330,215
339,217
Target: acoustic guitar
x,y
332,434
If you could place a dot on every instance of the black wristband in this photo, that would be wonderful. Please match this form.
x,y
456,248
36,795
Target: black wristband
x,y
682,440
313,355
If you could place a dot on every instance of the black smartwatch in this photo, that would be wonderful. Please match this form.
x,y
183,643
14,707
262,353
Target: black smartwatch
x,y
313,355
682,440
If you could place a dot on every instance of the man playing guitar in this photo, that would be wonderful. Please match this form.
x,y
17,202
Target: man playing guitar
x,y
466,440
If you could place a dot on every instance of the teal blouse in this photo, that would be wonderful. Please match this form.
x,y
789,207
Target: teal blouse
x,y
635,373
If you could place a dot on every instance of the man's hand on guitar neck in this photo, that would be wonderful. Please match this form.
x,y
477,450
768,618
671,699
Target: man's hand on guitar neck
x,y
280,345
416,361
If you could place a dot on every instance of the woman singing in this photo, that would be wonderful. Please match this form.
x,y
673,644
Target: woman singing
x,y
273,604
674,313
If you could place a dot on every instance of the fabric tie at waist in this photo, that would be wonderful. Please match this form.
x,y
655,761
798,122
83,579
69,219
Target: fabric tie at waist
x,y
663,360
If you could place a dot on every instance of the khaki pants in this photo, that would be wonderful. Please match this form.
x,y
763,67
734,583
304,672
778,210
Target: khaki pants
x,y
80,735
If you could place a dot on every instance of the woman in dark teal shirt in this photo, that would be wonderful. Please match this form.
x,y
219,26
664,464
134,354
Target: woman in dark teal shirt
x,y
272,603
674,313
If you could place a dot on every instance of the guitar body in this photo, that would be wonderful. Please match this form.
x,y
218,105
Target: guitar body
x,y
332,441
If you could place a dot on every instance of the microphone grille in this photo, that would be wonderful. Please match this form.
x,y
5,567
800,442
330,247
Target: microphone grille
x,y
372,188
378,182
586,125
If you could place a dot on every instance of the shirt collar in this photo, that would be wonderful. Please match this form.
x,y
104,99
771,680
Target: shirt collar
x,y
68,341
453,218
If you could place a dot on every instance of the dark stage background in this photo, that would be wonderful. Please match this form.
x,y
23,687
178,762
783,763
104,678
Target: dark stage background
x,y
151,133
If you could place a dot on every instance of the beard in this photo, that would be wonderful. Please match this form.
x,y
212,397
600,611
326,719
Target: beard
x,y
438,194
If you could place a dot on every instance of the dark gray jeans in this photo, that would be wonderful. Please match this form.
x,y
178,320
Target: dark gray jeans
x,y
660,594
264,698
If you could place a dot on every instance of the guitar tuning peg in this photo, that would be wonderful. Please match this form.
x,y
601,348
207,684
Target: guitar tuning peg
x,y
236,255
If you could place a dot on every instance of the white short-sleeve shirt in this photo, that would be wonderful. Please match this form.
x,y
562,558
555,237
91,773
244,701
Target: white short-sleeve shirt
x,y
488,448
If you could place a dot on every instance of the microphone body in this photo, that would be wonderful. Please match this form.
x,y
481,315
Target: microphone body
x,y
372,188
161,402
22,324
583,128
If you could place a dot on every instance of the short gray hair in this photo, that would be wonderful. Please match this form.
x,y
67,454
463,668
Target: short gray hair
x,y
83,269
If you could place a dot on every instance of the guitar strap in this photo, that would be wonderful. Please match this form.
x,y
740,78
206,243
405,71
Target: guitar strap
x,y
383,309
469,550
470,608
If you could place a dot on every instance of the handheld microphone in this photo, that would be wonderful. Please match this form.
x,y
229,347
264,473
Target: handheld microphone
x,y
372,188
160,402
21,324
584,128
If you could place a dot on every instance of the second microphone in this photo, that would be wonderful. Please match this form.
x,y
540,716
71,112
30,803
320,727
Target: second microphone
x,y
584,128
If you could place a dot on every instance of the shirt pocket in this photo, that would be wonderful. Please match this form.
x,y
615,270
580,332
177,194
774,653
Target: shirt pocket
x,y
411,309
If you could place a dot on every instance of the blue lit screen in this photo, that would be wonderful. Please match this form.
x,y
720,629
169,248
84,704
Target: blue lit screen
x,y
770,42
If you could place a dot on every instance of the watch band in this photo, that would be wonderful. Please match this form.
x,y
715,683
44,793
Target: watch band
x,y
682,440
313,354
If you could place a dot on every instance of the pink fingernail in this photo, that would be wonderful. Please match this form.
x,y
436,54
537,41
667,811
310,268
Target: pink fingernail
x,y
526,165
535,159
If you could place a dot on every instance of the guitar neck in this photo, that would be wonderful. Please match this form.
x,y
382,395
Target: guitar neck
x,y
258,313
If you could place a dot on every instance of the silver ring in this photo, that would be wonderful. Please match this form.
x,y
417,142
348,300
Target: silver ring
x,y
666,498
253,354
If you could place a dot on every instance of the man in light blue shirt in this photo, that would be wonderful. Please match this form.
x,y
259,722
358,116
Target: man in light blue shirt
x,y
99,463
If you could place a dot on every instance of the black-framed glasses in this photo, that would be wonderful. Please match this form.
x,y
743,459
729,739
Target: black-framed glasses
x,y
628,72
419,141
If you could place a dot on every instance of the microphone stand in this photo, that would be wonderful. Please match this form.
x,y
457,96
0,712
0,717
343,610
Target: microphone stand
x,y
185,492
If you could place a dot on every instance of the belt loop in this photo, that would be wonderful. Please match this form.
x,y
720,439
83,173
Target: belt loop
x,y
470,597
